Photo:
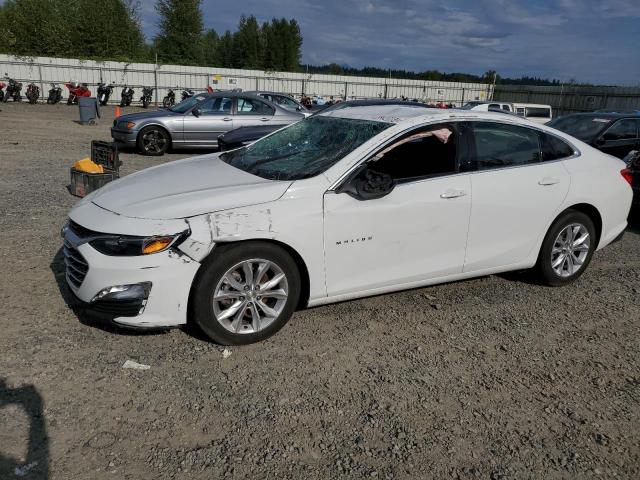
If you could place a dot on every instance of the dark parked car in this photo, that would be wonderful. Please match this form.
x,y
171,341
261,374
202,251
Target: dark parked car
x,y
244,135
611,132
370,103
633,164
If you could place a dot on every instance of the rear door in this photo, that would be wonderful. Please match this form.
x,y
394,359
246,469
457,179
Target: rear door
x,y
517,191
620,138
252,111
214,118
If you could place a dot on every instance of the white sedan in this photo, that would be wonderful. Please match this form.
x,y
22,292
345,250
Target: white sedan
x,y
354,202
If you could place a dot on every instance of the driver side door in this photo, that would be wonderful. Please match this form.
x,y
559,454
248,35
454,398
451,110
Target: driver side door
x,y
416,232
214,118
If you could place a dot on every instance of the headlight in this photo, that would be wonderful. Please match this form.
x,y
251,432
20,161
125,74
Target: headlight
x,y
127,245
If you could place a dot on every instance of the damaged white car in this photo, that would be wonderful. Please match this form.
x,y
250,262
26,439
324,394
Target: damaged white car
x,y
354,202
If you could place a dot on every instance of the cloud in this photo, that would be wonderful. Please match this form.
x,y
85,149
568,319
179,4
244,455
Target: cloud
x,y
548,38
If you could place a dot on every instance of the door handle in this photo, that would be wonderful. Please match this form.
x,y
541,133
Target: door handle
x,y
227,119
546,181
453,194
264,119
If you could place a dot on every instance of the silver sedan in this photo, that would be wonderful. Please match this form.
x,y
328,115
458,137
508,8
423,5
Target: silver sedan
x,y
197,121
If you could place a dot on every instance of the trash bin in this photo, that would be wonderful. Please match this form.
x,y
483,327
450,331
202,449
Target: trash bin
x,y
89,110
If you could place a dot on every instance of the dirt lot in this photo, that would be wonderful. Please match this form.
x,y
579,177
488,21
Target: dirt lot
x,y
493,378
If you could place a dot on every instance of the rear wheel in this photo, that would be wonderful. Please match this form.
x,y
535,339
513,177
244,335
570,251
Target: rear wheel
x,y
567,249
153,141
245,293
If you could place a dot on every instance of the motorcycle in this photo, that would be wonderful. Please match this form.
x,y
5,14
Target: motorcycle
x,y
55,94
169,100
186,93
13,91
76,90
2,85
126,97
104,92
33,93
147,92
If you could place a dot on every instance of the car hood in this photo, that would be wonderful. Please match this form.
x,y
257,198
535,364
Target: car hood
x,y
133,117
186,188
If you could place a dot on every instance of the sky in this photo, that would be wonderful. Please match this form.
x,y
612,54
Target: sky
x,y
588,40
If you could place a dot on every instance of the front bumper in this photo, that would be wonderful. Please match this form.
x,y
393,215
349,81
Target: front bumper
x,y
170,273
127,137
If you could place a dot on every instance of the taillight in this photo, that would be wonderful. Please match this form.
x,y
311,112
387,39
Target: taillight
x,y
627,175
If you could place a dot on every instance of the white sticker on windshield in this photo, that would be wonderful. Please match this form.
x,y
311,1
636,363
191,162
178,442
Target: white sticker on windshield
x,y
602,120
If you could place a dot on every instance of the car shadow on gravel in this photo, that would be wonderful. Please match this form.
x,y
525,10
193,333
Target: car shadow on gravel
x,y
36,460
78,309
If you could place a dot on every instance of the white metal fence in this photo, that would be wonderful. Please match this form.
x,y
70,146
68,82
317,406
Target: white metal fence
x,y
45,70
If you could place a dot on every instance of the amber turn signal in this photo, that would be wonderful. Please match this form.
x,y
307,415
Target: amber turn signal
x,y
156,245
130,125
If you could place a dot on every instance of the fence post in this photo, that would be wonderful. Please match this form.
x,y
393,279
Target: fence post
x,y
385,90
40,75
463,92
302,95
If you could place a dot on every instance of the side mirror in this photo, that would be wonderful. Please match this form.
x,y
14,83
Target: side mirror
x,y
601,141
368,185
195,112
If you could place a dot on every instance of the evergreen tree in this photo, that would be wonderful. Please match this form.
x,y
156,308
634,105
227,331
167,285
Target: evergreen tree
x,y
210,45
180,37
248,43
36,27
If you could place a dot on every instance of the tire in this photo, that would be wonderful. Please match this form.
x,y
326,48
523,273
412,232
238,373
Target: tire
x,y
153,141
556,245
239,328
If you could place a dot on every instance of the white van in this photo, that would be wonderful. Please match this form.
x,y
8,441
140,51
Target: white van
x,y
481,106
534,112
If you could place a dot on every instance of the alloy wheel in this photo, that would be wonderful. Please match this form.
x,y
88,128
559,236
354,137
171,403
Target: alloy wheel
x,y
250,296
570,250
153,141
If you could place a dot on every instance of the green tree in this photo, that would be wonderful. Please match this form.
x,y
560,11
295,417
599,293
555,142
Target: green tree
x,y
118,37
248,43
210,45
36,27
180,37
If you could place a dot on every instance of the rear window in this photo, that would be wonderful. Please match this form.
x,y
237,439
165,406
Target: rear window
x,y
583,127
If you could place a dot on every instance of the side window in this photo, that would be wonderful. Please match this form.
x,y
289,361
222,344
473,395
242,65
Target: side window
x,y
506,108
493,106
252,106
553,148
501,145
621,130
216,106
421,153
538,112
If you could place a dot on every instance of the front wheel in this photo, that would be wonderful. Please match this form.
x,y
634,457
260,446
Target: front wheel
x,y
153,141
245,292
567,249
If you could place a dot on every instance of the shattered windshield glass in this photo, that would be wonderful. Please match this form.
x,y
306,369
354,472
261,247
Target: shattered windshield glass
x,y
304,149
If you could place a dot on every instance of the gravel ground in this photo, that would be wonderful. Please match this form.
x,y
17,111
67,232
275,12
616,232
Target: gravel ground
x,y
492,378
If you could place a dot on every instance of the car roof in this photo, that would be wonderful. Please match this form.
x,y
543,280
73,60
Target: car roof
x,y
265,92
398,114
